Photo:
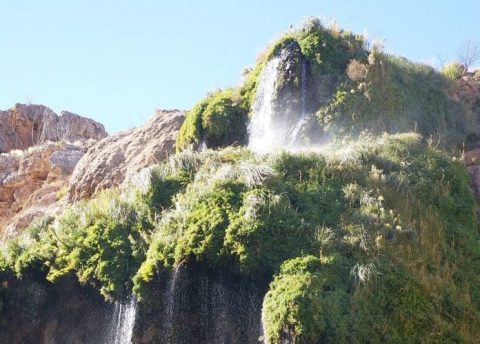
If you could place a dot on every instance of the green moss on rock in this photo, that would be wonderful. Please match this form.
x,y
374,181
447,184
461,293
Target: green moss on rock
x,y
219,120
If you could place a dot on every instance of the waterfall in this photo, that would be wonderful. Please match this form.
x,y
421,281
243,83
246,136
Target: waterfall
x,y
170,299
303,95
297,129
203,146
266,132
262,132
199,306
123,322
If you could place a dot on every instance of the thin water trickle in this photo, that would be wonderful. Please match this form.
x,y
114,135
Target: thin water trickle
x,y
297,128
170,298
123,322
203,146
304,89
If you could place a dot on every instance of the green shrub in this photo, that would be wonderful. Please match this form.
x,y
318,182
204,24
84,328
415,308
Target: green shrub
x,y
304,305
393,96
454,70
219,120
102,241
372,239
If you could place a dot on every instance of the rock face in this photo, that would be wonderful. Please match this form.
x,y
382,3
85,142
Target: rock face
x,y
190,306
31,182
119,157
37,311
195,306
294,92
36,161
471,160
25,126
466,91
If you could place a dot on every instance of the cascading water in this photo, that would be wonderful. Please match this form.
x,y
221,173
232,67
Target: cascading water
x,y
266,132
123,322
262,134
297,129
171,297
195,305
203,146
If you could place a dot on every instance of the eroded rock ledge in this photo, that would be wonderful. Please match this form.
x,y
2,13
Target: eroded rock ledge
x,y
54,156
24,126
119,157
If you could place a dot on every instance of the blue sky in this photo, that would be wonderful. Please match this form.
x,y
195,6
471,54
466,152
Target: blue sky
x,y
117,61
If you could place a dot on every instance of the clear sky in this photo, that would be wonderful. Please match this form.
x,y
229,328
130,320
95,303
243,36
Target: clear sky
x,y
117,61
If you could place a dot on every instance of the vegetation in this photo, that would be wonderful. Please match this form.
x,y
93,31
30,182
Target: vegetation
x,y
373,238
383,230
353,89
454,70
217,121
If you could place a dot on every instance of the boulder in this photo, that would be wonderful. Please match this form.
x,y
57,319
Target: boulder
x,y
24,126
117,158
31,182
472,157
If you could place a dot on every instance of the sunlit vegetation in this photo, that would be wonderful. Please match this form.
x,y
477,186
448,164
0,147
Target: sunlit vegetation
x,y
372,238
376,239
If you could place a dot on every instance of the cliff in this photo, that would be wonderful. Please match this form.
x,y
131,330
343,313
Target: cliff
x,y
330,197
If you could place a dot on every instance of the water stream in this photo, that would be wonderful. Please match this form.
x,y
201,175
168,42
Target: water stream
x,y
170,299
123,322
266,132
295,134
262,131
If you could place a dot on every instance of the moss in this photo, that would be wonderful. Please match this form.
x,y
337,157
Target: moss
x,y
372,239
163,188
191,132
303,305
265,231
396,96
101,242
219,120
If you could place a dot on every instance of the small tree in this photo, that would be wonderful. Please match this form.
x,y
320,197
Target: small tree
x,y
469,53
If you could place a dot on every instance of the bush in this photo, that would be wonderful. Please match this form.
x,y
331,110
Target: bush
x,y
395,96
454,70
102,241
303,305
356,70
219,120
369,240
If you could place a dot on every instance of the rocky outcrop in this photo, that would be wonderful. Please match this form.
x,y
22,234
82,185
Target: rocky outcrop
x,y
24,126
32,182
467,88
193,305
290,97
466,91
37,160
471,160
36,311
118,158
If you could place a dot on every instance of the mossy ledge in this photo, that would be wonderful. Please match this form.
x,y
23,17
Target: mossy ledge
x,y
375,240
352,87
